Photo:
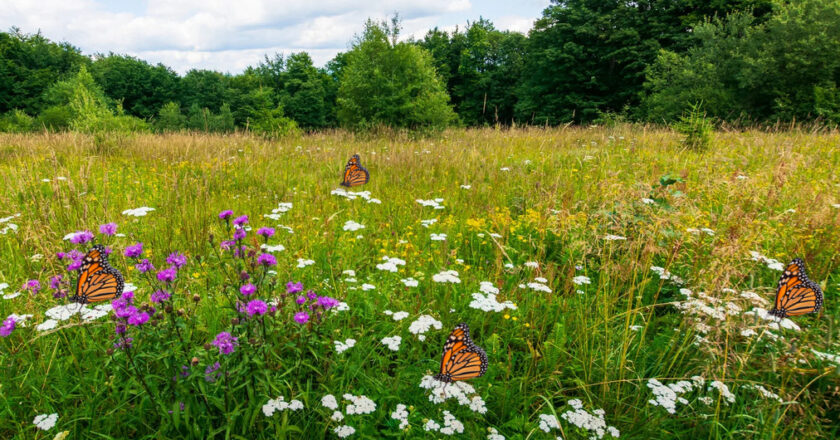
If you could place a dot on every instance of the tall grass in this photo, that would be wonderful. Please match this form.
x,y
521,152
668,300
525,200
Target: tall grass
x,y
550,195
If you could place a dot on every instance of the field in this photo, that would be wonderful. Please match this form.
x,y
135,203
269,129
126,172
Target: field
x,y
617,281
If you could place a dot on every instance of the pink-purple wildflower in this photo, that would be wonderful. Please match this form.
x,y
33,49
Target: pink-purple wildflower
x,y
7,327
248,289
144,266
301,317
292,288
108,229
225,342
256,307
176,259
265,232
134,250
82,237
167,275
241,220
160,296
267,260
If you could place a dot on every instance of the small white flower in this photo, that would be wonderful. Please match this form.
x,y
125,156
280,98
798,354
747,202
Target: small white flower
x,y
611,237
392,342
532,264
647,201
423,324
581,279
341,347
488,287
410,282
359,405
138,212
272,249
349,273
352,226
401,414
494,435
367,287
390,264
723,389
435,203
447,276
45,422
303,263
466,186
504,169
429,222
337,416
539,287
46,325
399,316
489,303
344,431
438,237
328,401
741,177
548,422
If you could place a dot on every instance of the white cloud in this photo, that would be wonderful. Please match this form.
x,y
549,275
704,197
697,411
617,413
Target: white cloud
x,y
224,36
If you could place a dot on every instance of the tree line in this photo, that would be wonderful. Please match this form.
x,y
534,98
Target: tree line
x,y
584,61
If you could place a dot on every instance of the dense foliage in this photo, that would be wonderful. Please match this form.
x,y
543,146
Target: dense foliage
x,y
743,61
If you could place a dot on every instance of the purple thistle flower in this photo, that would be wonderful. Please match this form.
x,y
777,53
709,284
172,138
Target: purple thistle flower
x,y
138,318
294,287
7,327
225,342
241,220
300,299
144,266
75,255
176,259
226,214
256,307
160,296
167,275
125,312
248,289
119,328
302,317
227,245
267,260
81,237
239,234
108,250
310,294
128,296
326,302
108,229
209,375
265,232
61,255
75,265
134,250
123,343
33,286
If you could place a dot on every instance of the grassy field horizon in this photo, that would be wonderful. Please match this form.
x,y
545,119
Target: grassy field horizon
x,y
617,281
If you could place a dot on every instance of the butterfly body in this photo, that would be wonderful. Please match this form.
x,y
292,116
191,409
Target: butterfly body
x,y
98,281
354,173
796,294
461,358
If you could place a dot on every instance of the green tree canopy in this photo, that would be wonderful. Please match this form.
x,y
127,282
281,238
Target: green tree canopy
x,y
391,83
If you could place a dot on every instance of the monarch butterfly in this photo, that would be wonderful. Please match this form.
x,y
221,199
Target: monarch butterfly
x,y
461,359
796,294
98,281
354,173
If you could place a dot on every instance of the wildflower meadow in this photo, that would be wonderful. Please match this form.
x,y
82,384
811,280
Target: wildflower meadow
x,y
618,282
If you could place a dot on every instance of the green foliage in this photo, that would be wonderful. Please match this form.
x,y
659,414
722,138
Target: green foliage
x,y
17,121
779,68
29,64
142,88
170,118
389,83
696,128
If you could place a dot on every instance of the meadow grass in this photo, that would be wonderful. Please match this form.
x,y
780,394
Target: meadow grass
x,y
566,223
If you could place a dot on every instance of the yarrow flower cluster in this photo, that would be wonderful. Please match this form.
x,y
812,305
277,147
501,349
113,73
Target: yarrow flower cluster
x,y
280,405
423,324
447,276
593,422
451,425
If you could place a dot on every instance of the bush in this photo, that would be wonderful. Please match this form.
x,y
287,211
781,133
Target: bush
x,y
17,121
696,127
170,118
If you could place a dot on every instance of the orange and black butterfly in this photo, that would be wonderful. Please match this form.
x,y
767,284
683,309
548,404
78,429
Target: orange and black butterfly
x,y
354,173
461,359
796,294
98,281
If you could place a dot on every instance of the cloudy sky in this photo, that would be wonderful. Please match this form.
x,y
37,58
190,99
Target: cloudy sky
x,y
230,35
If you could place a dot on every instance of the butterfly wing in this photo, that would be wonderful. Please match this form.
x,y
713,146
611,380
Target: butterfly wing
x,y
796,294
354,173
98,281
461,358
